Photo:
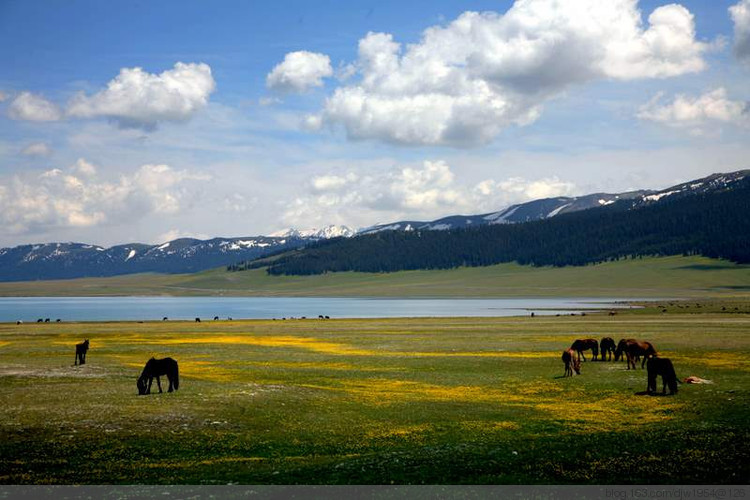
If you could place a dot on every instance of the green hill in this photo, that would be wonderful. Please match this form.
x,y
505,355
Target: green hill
x,y
646,277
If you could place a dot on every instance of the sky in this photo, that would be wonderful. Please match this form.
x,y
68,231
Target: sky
x,y
146,121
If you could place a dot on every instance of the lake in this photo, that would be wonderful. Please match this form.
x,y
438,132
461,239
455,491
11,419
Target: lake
x,y
29,309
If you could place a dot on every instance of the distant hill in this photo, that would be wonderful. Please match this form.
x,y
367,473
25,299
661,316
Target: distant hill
x,y
706,217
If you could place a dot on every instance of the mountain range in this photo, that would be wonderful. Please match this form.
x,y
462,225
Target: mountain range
x,y
185,255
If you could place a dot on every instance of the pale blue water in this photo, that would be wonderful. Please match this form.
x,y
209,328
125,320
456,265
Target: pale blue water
x,y
28,309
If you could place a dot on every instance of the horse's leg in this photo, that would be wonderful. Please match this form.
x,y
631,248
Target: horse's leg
x,y
150,381
158,382
170,384
75,363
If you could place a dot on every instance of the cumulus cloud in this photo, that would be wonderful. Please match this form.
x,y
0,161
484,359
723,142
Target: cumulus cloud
x,y
37,149
463,83
685,111
137,99
740,13
76,197
426,191
33,107
299,72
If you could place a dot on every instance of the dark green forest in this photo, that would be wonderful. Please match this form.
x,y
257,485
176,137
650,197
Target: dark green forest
x,y
714,224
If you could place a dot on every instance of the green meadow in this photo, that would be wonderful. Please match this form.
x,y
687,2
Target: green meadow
x,y
648,277
403,401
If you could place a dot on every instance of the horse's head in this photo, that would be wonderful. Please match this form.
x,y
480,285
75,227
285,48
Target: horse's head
x,y
142,385
577,365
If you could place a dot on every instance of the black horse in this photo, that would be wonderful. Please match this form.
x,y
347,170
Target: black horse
x,y
607,348
157,368
661,366
81,350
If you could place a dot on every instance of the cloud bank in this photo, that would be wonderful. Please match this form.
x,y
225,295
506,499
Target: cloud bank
x,y
77,197
465,82
685,111
426,191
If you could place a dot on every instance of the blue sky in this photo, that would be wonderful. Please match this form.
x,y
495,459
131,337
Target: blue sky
x,y
524,101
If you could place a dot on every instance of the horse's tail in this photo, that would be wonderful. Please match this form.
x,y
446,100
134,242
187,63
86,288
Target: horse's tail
x,y
176,376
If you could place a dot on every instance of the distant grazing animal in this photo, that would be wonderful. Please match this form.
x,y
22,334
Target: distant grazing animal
x,y
46,320
164,318
328,317
216,318
40,320
613,313
532,314
157,368
620,350
571,362
581,345
607,347
58,320
229,318
633,350
320,316
661,366
197,320
81,350
18,322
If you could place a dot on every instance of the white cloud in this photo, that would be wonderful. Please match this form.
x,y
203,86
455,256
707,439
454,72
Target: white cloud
x,y
85,168
137,99
463,83
740,13
299,72
33,107
37,149
424,192
76,198
694,112
174,234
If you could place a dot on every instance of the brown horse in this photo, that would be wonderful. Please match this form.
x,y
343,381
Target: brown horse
x,y
581,345
571,362
633,350
607,347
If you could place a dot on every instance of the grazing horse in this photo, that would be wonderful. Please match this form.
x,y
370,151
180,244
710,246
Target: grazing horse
x,y
164,318
216,318
581,345
81,350
633,350
571,362
661,366
197,320
157,368
607,348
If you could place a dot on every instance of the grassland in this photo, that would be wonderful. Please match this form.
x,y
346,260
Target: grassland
x,y
649,277
461,400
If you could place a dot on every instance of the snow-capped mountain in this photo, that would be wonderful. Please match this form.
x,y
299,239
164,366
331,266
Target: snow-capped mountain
x,y
75,260
184,255
325,233
552,207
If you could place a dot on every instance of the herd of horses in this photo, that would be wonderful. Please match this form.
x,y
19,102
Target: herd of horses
x,y
632,351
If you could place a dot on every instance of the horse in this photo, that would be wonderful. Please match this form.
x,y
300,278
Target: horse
x,y
633,350
571,362
607,347
164,318
581,345
216,318
81,350
197,320
157,368
661,366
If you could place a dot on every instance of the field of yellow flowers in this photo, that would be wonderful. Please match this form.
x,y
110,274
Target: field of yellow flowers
x,y
459,400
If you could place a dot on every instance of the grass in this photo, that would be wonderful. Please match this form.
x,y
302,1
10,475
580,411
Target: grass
x,y
648,277
456,400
